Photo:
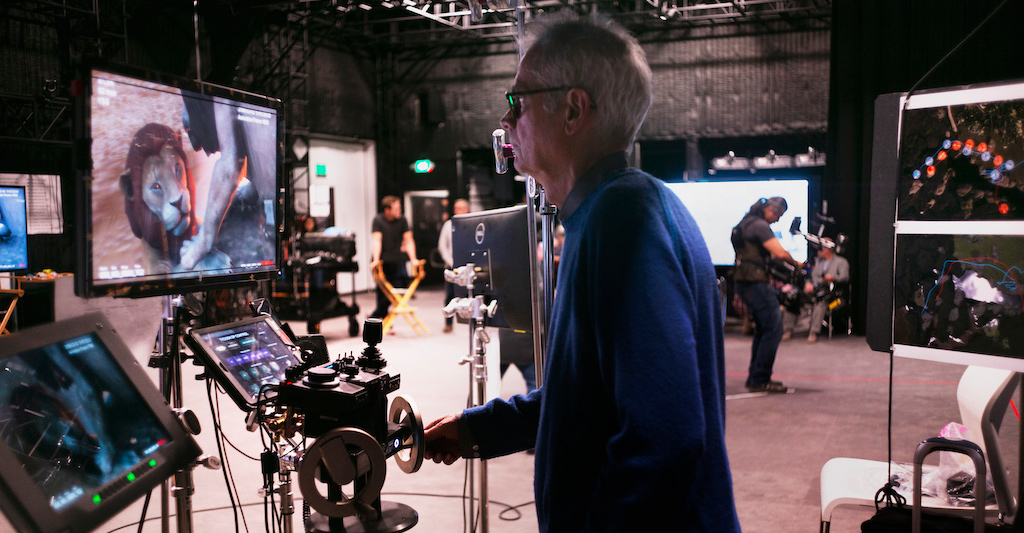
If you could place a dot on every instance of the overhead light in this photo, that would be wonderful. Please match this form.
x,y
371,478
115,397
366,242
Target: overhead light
x,y
730,162
812,158
773,160
387,4
365,6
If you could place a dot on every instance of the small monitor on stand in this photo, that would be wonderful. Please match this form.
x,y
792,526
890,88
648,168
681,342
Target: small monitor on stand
x,y
497,242
13,229
83,431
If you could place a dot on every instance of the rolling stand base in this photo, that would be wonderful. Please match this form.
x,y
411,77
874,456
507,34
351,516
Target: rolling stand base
x,y
394,517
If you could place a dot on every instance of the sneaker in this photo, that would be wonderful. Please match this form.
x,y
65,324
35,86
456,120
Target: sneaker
x,y
771,386
447,328
812,338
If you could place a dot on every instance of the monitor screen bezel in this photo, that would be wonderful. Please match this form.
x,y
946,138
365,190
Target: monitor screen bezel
x,y
22,238
25,506
88,285
206,352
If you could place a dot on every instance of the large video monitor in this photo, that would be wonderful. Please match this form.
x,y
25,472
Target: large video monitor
x,y
13,229
949,200
83,431
498,243
718,206
245,355
180,184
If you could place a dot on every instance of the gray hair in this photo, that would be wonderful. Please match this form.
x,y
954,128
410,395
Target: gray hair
x,y
597,54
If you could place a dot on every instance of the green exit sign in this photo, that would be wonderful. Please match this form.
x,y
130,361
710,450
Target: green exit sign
x,y
321,171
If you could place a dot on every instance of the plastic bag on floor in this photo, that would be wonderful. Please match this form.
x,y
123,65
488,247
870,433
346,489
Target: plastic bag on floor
x,y
953,481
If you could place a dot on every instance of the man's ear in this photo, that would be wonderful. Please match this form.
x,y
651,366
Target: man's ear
x,y
578,109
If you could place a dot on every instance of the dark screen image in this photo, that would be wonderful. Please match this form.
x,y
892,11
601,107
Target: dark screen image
x,y
13,229
184,185
69,414
959,162
254,354
961,293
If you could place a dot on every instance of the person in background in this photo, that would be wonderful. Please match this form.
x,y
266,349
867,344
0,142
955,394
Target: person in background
x,y
629,424
755,245
828,270
391,246
444,247
309,224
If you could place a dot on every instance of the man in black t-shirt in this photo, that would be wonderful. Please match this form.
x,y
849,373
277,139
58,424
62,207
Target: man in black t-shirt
x,y
392,246
755,243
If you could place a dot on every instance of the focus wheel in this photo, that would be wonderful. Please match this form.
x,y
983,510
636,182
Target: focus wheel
x,y
403,412
339,457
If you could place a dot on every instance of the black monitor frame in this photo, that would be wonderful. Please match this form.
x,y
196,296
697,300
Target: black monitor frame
x,y
497,242
19,230
21,499
102,224
941,215
215,356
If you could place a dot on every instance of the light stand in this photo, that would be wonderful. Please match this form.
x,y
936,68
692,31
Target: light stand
x,y
473,309
169,364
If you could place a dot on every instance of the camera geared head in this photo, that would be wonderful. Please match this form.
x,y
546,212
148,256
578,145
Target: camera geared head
x,y
819,241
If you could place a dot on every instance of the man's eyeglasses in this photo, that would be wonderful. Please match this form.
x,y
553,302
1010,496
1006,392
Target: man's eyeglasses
x,y
515,105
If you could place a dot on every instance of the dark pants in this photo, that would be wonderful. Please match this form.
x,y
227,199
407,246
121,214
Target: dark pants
x,y
529,374
398,277
449,294
763,306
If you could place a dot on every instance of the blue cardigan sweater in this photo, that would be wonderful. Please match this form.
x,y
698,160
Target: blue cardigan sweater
x,y
629,425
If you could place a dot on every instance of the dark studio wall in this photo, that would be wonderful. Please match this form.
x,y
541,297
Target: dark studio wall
x,y
342,94
35,134
735,88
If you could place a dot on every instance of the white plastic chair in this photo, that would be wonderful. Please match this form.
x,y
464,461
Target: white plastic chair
x,y
983,396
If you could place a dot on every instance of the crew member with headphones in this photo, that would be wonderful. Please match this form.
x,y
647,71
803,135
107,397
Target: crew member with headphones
x,y
755,246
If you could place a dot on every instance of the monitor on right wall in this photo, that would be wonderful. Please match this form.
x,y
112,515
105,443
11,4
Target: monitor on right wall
x,y
947,233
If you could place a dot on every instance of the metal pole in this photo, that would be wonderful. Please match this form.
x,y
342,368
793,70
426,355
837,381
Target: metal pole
x,y
165,389
480,376
183,488
287,506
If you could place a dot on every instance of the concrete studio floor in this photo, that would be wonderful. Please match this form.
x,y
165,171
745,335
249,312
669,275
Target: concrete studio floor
x,y
777,443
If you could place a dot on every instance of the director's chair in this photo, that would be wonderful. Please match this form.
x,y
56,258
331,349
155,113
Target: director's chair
x,y
14,295
399,298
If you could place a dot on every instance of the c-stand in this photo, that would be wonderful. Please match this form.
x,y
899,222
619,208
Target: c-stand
x,y
473,309
168,361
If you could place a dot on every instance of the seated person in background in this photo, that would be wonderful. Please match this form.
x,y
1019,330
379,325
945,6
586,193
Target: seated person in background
x,y
828,269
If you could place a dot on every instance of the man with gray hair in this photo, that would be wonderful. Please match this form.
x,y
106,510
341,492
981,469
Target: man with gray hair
x,y
629,424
